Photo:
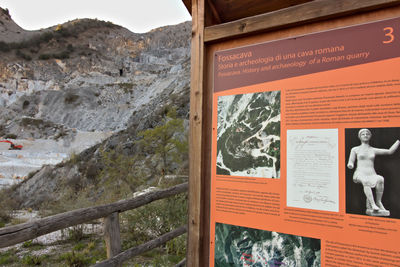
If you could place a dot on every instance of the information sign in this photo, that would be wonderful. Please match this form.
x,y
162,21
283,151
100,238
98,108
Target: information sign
x,y
305,150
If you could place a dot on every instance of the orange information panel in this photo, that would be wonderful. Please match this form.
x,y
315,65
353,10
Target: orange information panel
x,y
305,150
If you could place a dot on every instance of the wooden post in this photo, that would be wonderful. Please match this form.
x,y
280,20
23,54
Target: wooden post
x,y
195,138
112,235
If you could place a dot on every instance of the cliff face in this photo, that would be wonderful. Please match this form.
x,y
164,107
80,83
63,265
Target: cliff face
x,y
90,75
87,76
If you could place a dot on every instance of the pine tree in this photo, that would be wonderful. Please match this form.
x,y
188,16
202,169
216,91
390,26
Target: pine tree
x,y
167,141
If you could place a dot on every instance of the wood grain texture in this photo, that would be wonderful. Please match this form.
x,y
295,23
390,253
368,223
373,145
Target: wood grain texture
x,y
112,235
294,16
195,134
231,10
211,15
132,252
19,233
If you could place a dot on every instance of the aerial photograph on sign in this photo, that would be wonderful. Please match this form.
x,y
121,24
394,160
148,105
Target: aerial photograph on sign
x,y
248,137
242,246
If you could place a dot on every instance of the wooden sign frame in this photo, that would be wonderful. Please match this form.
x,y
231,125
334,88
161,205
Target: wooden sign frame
x,y
311,17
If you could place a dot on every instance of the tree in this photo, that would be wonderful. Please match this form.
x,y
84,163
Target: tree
x,y
167,141
118,166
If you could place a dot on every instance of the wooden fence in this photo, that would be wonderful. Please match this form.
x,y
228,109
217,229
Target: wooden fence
x,y
15,234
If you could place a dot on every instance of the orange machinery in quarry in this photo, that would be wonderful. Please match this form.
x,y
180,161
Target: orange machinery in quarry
x,y
12,145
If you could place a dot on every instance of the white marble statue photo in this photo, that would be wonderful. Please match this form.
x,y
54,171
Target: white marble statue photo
x,y
361,162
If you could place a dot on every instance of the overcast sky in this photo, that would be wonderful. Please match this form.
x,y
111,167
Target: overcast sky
x,y
136,15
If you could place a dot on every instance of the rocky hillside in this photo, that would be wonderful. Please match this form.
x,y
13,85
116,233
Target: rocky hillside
x,y
9,30
85,76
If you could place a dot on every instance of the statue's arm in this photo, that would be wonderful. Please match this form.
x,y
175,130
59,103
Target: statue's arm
x,y
352,158
390,151
394,147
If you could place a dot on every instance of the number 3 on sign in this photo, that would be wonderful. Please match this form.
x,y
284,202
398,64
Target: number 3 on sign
x,y
389,34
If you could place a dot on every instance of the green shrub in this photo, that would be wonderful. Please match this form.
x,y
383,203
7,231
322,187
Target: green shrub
x,y
79,246
4,47
31,174
127,87
62,55
43,38
22,55
27,244
75,233
177,246
6,12
32,245
44,56
75,259
8,257
120,175
62,32
167,141
10,136
163,260
70,98
154,220
7,205
70,48
33,259
5,217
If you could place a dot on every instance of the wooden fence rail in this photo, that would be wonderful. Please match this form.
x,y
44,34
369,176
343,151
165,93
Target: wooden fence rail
x,y
12,235
118,259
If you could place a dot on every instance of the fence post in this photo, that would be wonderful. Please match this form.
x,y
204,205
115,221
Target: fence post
x,y
112,235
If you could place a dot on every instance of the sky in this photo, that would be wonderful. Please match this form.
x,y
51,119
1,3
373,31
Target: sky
x,y
136,15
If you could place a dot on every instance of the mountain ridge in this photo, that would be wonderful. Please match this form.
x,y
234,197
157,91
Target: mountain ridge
x,y
88,75
11,31
83,54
